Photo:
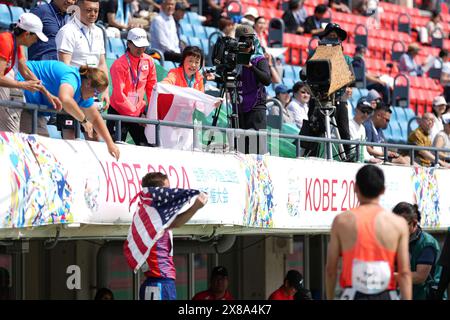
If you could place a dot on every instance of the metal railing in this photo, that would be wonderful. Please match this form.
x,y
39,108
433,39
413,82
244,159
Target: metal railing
x,y
234,135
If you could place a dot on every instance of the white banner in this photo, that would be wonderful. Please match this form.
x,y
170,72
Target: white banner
x,y
45,181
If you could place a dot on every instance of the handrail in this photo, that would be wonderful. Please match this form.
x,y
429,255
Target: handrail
x,y
232,132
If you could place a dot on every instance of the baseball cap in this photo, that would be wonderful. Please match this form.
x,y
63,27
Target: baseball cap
x,y
243,30
219,271
439,100
139,37
252,11
295,279
373,95
281,88
32,23
363,104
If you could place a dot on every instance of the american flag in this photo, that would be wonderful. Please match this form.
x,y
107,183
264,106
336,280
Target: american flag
x,y
156,210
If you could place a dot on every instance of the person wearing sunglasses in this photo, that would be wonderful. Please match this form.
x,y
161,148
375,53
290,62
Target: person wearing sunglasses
x,y
374,132
356,125
76,88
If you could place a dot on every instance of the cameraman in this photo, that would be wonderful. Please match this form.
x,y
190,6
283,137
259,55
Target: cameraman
x,y
333,33
251,81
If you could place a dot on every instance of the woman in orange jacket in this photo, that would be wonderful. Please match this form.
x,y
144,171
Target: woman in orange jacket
x,y
188,74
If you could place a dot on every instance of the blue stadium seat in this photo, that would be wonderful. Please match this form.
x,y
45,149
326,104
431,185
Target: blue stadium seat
x,y
296,70
193,18
388,133
288,82
5,17
16,12
270,91
205,46
288,72
169,65
186,28
194,41
199,31
210,30
115,48
184,38
53,132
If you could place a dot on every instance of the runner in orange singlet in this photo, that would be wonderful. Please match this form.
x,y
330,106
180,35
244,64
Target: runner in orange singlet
x,y
371,242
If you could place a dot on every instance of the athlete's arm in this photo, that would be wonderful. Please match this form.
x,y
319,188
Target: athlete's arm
x,y
184,217
332,259
404,270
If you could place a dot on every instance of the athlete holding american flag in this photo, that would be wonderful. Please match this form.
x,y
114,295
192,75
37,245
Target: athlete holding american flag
x,y
149,242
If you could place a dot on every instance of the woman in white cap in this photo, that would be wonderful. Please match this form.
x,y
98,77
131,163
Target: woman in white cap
x,y
12,60
133,75
439,108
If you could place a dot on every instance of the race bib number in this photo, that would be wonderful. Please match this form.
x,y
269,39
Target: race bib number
x,y
370,277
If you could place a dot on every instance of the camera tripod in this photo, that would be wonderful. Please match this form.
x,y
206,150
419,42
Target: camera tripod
x,y
327,111
229,95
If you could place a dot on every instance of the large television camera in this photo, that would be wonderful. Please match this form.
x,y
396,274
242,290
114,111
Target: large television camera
x,y
227,53
327,71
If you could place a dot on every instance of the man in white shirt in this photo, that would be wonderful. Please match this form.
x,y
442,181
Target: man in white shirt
x,y
80,42
299,104
163,32
356,125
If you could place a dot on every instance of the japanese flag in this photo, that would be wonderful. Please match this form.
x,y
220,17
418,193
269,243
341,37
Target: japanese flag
x,y
177,104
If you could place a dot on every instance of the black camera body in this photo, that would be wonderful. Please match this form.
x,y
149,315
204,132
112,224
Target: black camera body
x,y
227,53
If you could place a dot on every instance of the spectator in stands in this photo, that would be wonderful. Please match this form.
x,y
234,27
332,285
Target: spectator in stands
x,y
313,24
252,79
282,94
373,80
374,133
12,60
188,74
426,32
160,275
261,31
293,282
178,15
117,14
424,252
104,294
164,32
275,75
442,138
212,10
299,105
439,108
75,88
80,42
375,99
54,16
356,125
218,287
445,77
339,5
408,64
295,17
226,26
250,16
133,75
421,137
